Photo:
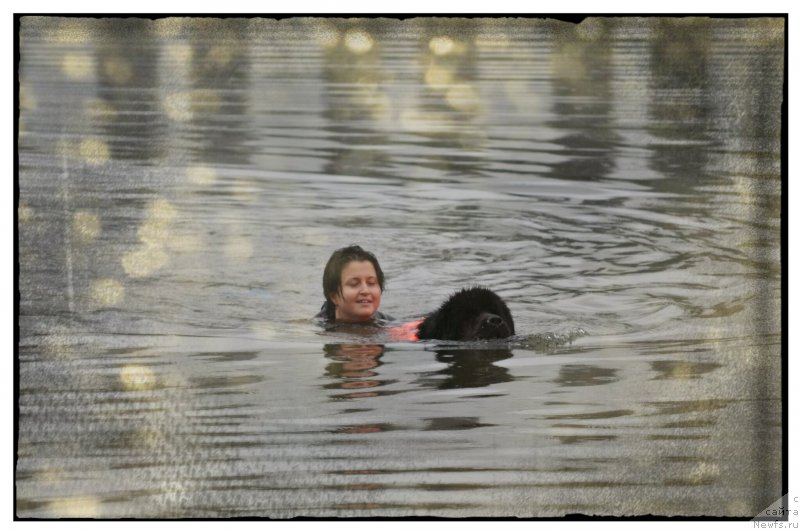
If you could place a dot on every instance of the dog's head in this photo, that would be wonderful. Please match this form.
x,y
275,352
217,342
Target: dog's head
x,y
470,314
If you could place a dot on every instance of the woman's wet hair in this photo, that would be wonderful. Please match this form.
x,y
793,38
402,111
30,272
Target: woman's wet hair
x,y
332,276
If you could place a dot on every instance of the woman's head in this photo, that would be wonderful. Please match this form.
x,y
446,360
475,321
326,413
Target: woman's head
x,y
352,283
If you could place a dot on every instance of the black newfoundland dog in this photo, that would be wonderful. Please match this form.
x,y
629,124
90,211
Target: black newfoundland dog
x,y
470,314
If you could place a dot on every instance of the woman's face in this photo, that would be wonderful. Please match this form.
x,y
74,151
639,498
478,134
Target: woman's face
x,y
361,293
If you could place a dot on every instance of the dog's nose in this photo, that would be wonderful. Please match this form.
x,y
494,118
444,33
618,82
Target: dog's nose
x,y
495,320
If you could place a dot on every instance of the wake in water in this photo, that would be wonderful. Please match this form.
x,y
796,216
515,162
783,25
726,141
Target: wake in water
x,y
375,334
545,341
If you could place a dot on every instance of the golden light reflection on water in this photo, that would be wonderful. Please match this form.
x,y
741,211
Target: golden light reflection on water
x,y
78,66
49,475
154,233
442,45
221,54
144,261
106,292
58,342
118,70
178,52
378,104
704,473
567,63
419,122
24,213
77,507
205,101
185,105
358,41
137,377
161,210
493,40
85,226
245,190
98,109
158,222
463,97
438,77
94,151
178,106
590,29
27,100
201,175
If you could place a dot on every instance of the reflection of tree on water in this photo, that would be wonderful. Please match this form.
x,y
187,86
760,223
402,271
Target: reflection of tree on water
x,y
681,369
582,89
679,57
131,121
450,105
468,368
357,103
220,75
584,375
354,367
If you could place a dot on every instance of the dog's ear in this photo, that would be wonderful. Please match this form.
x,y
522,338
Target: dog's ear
x,y
439,325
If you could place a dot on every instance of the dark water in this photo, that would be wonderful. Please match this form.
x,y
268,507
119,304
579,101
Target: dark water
x,y
183,181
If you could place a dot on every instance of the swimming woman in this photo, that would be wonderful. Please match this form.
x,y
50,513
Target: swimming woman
x,y
353,283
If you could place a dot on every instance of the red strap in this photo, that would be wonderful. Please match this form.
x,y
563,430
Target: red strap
x,y
405,332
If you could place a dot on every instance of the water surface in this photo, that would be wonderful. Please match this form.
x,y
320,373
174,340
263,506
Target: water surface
x,y
183,181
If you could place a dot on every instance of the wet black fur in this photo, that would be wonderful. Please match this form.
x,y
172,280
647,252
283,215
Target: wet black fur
x,y
470,314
